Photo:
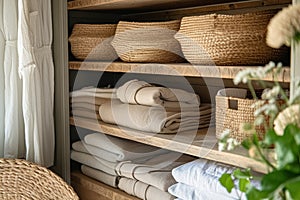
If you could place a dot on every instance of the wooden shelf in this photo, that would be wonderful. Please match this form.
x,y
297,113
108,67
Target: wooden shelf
x,y
139,4
175,69
158,5
90,189
202,144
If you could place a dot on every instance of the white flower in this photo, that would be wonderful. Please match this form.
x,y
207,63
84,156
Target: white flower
x,y
290,115
284,26
271,93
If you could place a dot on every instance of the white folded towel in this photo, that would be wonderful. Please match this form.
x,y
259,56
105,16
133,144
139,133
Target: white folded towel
x,y
186,192
141,92
117,149
204,174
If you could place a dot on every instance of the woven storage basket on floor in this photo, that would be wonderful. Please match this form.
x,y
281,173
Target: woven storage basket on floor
x,y
92,41
148,42
228,39
21,179
231,117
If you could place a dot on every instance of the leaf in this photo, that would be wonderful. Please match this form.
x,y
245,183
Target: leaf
x,y
270,137
247,143
255,194
293,188
239,174
255,139
244,184
270,182
227,182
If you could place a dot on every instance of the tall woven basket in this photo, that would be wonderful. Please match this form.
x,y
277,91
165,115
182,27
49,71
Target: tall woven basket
x,y
92,41
219,39
148,42
20,179
231,117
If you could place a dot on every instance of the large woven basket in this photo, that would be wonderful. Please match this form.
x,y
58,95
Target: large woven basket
x,y
219,39
92,41
20,179
148,42
231,117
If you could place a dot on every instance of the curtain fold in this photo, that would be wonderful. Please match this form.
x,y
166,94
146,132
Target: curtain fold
x,y
37,73
12,125
26,81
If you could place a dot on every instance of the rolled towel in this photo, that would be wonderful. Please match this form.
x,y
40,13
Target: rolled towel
x,y
146,118
94,162
84,113
101,176
142,190
118,149
90,100
141,92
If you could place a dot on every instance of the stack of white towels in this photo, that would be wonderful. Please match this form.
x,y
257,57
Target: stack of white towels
x,y
199,180
142,106
138,169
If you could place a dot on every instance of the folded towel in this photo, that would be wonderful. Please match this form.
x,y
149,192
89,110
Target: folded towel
x,y
94,162
85,106
89,99
142,190
85,113
204,174
156,171
192,173
141,92
118,149
95,92
146,118
183,191
101,176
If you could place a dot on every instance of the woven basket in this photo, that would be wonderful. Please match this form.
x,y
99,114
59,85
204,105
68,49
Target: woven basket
x,y
148,42
21,179
231,112
92,41
228,39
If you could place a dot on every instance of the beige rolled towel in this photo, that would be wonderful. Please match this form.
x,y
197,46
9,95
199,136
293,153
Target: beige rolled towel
x,y
109,93
141,92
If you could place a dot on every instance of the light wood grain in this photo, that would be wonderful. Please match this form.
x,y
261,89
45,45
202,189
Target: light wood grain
x,y
90,189
201,144
175,69
138,4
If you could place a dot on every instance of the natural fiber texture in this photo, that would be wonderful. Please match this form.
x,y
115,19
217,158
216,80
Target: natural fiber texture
x,y
92,41
148,42
228,39
231,117
21,179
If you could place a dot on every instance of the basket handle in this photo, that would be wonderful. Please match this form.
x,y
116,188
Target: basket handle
x,y
232,104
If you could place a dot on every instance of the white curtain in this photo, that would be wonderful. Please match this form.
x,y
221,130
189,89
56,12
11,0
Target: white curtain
x,y
37,72
26,32
12,128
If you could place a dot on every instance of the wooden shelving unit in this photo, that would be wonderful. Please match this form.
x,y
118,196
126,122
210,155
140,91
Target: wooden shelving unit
x,y
90,189
175,69
201,144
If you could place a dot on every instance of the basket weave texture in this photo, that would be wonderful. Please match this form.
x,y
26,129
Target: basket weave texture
x,y
92,41
220,39
231,118
21,179
148,42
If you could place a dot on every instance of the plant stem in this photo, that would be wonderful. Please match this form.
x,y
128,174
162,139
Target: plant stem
x,y
250,86
264,158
